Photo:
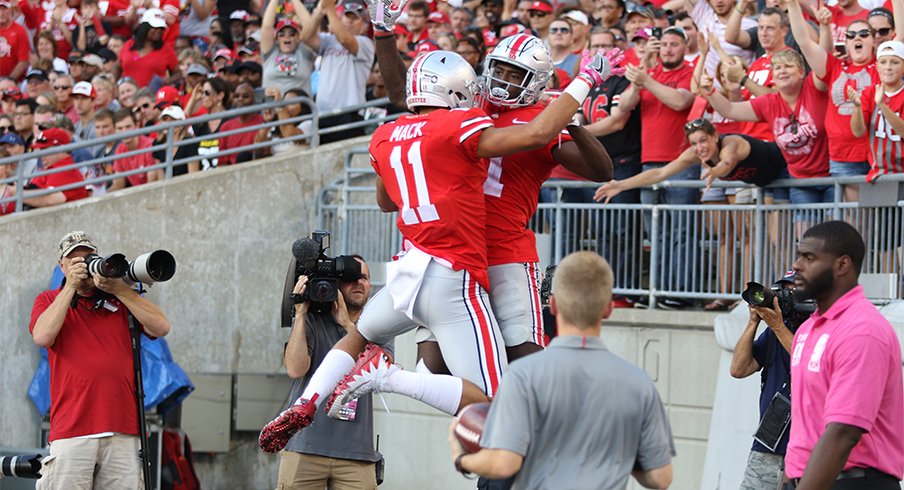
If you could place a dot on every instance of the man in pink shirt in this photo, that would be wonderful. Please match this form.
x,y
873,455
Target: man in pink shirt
x,y
847,398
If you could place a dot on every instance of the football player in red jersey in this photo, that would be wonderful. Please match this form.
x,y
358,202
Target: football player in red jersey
x,y
440,278
516,72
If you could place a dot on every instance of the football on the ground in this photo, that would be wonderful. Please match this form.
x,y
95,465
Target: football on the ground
x,y
469,428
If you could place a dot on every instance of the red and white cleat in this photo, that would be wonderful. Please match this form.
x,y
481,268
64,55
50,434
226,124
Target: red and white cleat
x,y
276,434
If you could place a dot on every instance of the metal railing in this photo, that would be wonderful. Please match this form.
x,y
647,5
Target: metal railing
x,y
169,145
694,252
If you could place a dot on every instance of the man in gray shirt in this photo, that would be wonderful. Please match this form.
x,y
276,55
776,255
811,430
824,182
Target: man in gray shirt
x,y
575,415
334,453
347,55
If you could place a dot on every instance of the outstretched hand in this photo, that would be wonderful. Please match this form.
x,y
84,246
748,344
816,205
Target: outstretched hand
x,y
597,68
607,191
383,14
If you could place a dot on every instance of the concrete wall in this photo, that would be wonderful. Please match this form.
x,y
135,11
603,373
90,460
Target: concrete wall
x,y
231,232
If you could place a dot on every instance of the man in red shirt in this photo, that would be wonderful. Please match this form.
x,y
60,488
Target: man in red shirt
x,y
244,96
14,45
843,14
665,100
93,413
417,23
125,121
49,138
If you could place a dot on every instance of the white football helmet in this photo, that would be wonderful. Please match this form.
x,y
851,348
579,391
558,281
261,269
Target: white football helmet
x,y
441,79
522,51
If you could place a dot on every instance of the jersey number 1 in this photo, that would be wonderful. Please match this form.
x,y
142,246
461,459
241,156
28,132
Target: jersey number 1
x,y
426,211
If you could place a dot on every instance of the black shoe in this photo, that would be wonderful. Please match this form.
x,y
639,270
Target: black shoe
x,y
674,304
642,302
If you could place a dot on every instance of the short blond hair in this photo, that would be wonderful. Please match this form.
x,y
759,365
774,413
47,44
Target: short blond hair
x,y
582,287
788,57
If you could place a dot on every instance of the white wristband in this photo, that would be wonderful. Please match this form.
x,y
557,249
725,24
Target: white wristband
x,y
578,89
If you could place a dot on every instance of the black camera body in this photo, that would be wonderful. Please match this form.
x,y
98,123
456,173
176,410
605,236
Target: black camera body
x,y
323,272
792,308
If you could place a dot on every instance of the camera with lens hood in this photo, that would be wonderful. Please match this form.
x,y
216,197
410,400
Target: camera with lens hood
x,y
323,272
23,466
157,266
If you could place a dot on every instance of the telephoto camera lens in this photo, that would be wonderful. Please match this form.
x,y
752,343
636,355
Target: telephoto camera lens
x,y
114,265
156,266
758,295
24,466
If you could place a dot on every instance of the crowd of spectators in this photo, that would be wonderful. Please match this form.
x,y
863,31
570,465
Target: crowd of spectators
x,y
788,72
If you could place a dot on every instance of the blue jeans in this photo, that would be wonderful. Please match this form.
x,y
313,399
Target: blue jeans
x,y
678,229
810,195
848,169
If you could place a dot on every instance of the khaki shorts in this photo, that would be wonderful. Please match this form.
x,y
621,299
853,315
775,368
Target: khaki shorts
x,y
304,471
110,463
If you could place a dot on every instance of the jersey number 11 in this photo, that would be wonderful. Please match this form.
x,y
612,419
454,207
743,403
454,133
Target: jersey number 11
x,y
425,211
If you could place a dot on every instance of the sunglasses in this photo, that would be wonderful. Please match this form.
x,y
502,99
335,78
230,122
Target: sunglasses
x,y
794,124
862,33
126,80
352,7
694,125
5,129
62,87
883,31
142,107
207,93
537,13
557,30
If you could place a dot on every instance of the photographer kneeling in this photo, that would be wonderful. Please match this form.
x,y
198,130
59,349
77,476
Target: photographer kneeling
x,y
769,353
84,325
331,452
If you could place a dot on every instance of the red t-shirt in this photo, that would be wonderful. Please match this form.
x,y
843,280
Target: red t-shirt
x,y
92,385
800,133
840,21
885,150
236,140
512,189
760,71
430,168
143,69
141,160
14,48
40,18
662,129
117,8
60,179
843,146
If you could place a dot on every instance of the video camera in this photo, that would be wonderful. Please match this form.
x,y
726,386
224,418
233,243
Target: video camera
x,y
793,309
324,274
23,466
157,266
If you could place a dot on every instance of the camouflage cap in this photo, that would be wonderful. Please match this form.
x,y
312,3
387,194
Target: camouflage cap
x,y
74,240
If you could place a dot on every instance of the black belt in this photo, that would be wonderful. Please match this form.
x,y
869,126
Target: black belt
x,y
851,473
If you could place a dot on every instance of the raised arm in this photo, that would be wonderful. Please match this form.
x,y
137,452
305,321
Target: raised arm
x,y
345,37
268,23
898,10
815,55
297,358
392,68
311,28
734,34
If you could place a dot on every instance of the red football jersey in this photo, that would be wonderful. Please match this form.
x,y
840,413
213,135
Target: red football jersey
x,y
885,151
512,189
430,169
843,146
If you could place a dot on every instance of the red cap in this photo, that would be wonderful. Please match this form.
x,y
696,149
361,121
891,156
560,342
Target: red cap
x,y
85,89
541,6
12,92
51,137
401,30
224,52
439,18
166,97
425,46
282,24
